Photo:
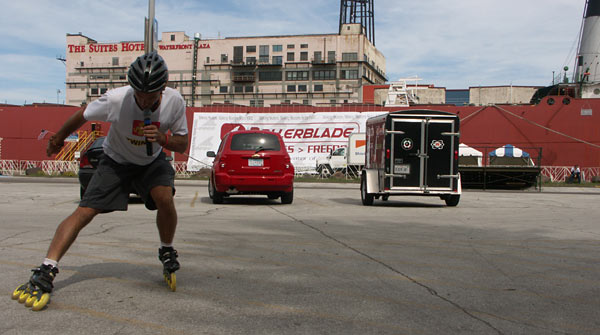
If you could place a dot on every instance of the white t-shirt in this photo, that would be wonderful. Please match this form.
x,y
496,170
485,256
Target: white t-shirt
x,y
125,142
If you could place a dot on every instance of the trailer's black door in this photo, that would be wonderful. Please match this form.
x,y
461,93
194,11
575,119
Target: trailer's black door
x,y
422,153
440,153
407,147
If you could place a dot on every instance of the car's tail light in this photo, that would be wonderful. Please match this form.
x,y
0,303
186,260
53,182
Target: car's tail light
x,y
84,163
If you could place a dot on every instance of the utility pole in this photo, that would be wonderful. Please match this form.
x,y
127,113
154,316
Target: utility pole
x,y
194,68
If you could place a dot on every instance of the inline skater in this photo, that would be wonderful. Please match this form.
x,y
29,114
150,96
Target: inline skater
x,y
133,159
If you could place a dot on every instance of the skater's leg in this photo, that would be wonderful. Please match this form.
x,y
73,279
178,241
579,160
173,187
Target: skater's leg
x,y
67,231
166,216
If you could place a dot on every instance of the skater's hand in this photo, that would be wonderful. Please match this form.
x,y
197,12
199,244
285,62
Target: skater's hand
x,y
54,145
153,135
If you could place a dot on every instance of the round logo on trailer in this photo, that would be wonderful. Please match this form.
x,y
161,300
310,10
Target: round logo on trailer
x,y
407,144
437,144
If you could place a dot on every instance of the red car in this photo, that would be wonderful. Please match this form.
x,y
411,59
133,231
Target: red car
x,y
251,162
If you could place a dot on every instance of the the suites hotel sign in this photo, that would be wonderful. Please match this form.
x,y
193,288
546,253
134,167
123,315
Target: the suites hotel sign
x,y
128,47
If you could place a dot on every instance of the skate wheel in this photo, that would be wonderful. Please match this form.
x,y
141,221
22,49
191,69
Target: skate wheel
x,y
31,299
40,303
18,291
23,297
171,280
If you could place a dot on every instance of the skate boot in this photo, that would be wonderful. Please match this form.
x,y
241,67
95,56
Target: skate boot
x,y
36,292
168,256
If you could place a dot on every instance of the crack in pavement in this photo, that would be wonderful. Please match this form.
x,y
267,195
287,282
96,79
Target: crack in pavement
x,y
431,291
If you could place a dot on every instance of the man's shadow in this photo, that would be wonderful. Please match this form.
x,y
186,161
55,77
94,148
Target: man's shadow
x,y
151,275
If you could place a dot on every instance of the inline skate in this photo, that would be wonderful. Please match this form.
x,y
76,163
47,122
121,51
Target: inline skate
x,y
36,292
168,257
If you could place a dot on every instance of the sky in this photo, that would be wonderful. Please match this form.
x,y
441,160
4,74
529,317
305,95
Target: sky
x,y
454,44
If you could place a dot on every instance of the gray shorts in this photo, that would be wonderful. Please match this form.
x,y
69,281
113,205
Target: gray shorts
x,y
112,183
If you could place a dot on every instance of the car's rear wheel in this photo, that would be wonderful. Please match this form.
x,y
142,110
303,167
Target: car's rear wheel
x,y
287,197
217,197
81,191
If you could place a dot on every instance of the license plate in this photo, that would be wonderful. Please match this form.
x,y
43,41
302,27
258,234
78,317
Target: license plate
x,y
402,169
255,162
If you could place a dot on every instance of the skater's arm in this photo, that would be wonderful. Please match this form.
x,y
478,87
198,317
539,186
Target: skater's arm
x,y
57,140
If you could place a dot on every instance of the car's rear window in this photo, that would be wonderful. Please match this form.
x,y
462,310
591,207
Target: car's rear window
x,y
255,141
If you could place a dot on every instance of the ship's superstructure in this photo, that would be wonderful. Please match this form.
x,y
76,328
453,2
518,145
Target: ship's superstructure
x,y
587,72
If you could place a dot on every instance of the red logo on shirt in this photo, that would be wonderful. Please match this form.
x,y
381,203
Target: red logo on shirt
x,y
138,126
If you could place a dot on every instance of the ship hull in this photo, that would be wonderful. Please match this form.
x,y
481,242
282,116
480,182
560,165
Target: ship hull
x,y
566,129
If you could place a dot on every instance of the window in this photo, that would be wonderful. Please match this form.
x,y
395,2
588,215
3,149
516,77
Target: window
x,y
302,88
238,54
291,88
249,89
223,89
263,50
94,91
255,141
207,60
263,54
257,103
333,102
251,60
324,75
349,56
238,89
224,58
277,48
305,102
251,48
317,56
172,38
296,75
304,55
115,61
277,59
330,56
103,90
349,74
286,102
303,46
290,56
269,76
290,46
319,88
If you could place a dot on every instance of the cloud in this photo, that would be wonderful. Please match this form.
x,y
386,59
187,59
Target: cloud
x,y
453,44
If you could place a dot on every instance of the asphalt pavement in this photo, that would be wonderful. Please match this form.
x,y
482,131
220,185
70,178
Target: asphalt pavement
x,y
501,262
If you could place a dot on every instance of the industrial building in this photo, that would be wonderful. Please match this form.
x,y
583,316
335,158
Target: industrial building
x,y
318,70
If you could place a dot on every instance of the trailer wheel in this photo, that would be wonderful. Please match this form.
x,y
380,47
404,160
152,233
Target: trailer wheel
x,y
452,200
324,171
367,198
